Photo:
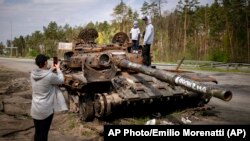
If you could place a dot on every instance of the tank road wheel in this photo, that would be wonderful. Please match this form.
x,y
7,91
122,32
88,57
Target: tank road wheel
x,y
200,100
100,105
73,103
72,100
204,100
86,108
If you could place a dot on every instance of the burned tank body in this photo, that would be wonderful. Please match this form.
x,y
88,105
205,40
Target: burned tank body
x,y
102,79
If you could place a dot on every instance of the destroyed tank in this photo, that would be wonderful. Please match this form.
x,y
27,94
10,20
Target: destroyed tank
x,y
103,79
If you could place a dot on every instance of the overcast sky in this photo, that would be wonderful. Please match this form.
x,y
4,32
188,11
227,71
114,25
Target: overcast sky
x,y
23,17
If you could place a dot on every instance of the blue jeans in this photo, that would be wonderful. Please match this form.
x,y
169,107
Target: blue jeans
x,y
134,44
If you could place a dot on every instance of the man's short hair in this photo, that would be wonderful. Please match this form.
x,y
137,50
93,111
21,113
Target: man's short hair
x,y
145,18
41,59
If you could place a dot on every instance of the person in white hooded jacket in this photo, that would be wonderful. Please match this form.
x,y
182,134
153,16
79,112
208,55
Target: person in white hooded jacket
x,y
46,96
147,40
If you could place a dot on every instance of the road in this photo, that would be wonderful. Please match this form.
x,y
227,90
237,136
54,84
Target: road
x,y
236,111
18,64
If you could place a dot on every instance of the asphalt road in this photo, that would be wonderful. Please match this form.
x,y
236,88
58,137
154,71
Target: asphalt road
x,y
236,111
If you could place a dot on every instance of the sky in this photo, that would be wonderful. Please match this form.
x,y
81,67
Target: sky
x,y
23,17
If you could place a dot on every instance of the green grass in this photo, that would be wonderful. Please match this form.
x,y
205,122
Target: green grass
x,y
72,123
132,121
87,133
139,121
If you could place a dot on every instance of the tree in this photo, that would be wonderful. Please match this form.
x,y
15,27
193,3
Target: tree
x,y
135,15
119,13
8,43
90,25
2,48
33,42
150,9
235,33
145,9
69,33
160,5
247,9
53,34
50,32
186,7
20,44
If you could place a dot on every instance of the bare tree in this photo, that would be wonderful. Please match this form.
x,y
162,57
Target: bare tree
x,y
160,4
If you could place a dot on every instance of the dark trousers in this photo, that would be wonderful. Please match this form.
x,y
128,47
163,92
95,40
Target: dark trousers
x,y
42,128
146,55
135,44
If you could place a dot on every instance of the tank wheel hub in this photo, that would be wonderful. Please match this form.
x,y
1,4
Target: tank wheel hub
x,y
104,104
86,108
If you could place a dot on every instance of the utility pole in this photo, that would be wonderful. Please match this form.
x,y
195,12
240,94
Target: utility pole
x,y
11,45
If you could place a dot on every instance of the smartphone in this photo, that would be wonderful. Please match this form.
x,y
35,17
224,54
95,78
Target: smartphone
x,y
55,60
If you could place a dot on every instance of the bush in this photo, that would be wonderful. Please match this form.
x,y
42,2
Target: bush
x,y
33,53
219,56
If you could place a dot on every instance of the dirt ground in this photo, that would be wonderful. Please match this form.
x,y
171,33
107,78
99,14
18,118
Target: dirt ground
x,y
16,124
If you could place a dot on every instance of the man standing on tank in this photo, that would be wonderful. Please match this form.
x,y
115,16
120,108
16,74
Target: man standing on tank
x,y
147,40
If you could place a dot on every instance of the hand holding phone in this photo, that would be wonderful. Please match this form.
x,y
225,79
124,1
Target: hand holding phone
x,y
55,61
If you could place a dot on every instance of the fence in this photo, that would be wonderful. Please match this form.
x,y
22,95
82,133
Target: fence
x,y
214,64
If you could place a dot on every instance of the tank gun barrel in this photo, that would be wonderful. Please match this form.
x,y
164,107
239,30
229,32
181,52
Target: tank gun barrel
x,y
175,79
